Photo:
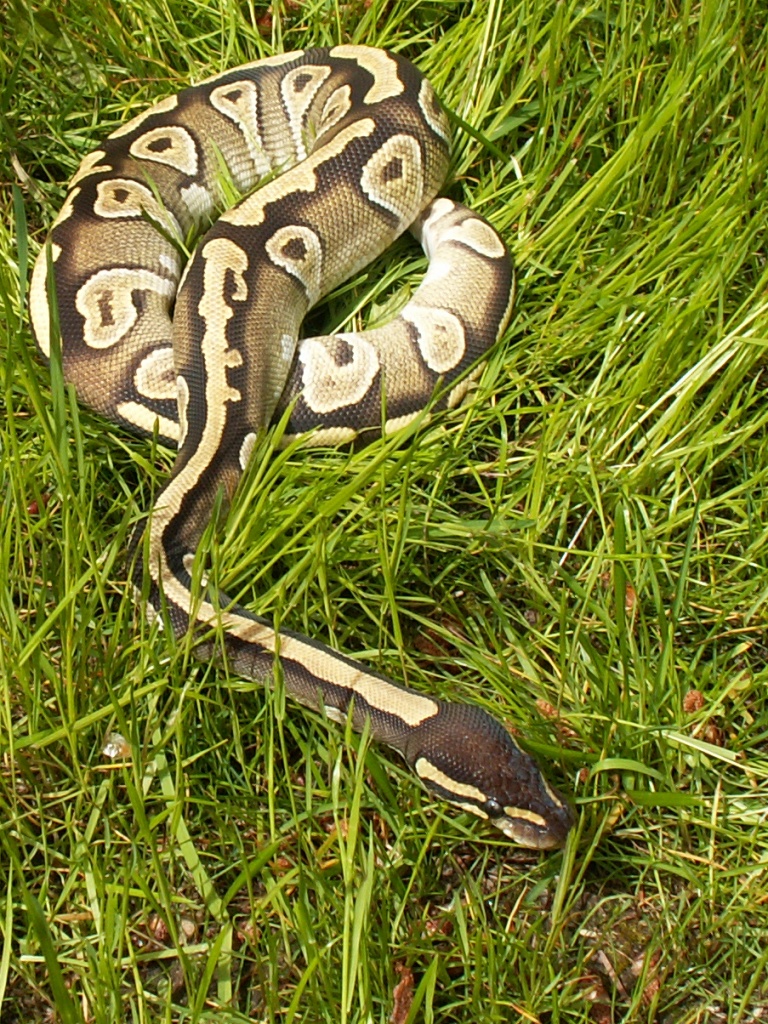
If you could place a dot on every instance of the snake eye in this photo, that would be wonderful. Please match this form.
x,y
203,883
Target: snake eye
x,y
493,808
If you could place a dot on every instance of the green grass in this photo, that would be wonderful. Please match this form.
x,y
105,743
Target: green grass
x,y
582,550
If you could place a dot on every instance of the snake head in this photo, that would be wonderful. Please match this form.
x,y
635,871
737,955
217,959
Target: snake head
x,y
468,758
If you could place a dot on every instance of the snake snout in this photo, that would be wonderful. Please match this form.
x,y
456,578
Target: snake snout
x,y
470,759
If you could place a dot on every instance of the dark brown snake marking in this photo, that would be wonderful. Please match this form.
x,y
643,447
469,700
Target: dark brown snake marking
x,y
354,146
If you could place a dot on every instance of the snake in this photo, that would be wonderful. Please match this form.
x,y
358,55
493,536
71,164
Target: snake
x,y
173,285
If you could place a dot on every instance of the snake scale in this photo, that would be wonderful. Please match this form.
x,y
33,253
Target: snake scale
x,y
284,177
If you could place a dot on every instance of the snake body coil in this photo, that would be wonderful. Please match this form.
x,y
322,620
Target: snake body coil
x,y
350,146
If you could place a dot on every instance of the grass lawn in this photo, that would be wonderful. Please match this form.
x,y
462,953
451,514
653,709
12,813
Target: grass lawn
x,y
581,549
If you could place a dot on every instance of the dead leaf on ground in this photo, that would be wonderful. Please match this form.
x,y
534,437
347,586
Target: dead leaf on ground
x,y
402,995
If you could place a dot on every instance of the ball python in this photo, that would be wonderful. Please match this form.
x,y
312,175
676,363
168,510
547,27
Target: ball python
x,y
283,177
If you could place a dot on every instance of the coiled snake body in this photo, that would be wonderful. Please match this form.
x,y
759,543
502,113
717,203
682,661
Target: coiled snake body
x,y
353,145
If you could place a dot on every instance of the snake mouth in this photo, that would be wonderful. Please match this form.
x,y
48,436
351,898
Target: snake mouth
x,y
547,835
537,831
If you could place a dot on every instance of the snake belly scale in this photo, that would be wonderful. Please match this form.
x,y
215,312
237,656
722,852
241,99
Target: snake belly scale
x,y
333,153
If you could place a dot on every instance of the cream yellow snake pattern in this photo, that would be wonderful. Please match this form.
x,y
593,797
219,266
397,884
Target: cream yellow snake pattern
x,y
334,153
